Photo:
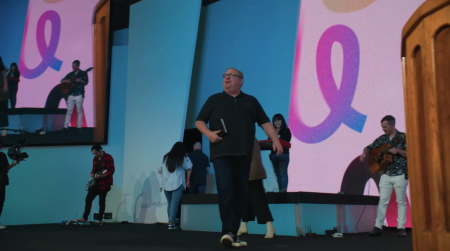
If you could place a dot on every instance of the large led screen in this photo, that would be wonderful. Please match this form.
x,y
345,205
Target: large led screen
x,y
56,34
347,77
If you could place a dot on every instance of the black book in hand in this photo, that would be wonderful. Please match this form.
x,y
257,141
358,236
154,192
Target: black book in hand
x,y
223,130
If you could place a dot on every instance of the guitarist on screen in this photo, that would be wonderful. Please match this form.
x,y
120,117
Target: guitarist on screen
x,y
394,178
75,81
102,162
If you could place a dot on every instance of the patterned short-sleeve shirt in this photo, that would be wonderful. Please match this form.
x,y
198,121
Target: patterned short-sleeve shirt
x,y
79,87
399,164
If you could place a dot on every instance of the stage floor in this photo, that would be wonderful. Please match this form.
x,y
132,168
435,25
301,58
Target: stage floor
x,y
119,237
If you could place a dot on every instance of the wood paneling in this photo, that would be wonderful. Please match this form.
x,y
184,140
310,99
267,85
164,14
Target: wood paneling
x,y
422,119
442,66
101,39
426,52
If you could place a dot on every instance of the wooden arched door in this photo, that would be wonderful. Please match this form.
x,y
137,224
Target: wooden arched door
x,y
101,49
426,61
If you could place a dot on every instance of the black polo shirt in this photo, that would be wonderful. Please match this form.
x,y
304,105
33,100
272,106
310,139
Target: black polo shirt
x,y
240,114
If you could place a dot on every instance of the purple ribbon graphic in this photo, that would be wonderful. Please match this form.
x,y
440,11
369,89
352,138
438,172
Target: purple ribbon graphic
x,y
47,52
339,100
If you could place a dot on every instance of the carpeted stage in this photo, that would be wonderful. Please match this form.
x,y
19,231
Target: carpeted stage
x,y
129,237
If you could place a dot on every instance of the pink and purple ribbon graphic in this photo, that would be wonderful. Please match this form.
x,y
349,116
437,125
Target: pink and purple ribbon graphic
x,y
47,52
338,100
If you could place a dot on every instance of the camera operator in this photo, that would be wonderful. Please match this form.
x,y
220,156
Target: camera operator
x,y
4,181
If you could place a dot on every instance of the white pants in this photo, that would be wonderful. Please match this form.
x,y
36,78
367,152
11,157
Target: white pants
x,y
399,184
71,101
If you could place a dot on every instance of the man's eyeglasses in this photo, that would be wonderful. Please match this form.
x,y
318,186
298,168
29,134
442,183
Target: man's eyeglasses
x,y
231,75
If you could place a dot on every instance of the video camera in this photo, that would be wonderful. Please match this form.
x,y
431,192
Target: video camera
x,y
15,152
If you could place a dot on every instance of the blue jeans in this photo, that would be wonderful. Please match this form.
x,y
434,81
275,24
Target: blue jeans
x,y
173,201
280,167
232,174
197,189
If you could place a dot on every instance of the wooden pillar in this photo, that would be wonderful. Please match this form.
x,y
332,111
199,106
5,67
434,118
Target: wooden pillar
x,y
101,40
426,63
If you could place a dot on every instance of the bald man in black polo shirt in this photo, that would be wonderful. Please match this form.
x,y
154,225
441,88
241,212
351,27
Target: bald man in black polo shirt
x,y
231,153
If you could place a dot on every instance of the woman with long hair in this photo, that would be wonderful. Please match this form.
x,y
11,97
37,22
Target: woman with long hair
x,y
280,163
173,169
13,84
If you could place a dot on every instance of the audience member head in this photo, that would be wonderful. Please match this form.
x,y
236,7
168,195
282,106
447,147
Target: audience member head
x,y
198,146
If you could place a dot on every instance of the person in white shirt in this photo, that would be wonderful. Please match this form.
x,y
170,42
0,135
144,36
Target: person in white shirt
x,y
173,169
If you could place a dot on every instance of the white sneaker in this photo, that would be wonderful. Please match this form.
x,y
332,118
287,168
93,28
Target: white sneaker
x,y
2,227
239,243
338,235
227,240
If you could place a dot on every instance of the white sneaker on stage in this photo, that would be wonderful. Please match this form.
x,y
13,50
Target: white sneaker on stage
x,y
227,240
338,235
2,227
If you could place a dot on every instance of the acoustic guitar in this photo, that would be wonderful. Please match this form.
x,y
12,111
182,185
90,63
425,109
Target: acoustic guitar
x,y
67,88
380,158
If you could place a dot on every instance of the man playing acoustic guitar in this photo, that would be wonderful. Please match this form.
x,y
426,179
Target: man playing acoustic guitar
x,y
395,177
77,80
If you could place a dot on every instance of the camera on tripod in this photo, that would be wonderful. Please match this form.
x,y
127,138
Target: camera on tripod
x,y
15,152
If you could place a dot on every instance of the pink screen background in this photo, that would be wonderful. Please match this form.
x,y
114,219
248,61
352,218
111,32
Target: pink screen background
x,y
320,166
75,42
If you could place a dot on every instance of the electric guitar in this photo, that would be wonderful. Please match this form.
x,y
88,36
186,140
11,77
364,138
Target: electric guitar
x,y
67,88
92,181
380,158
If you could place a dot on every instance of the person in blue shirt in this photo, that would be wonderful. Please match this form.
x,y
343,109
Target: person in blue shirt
x,y
173,169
